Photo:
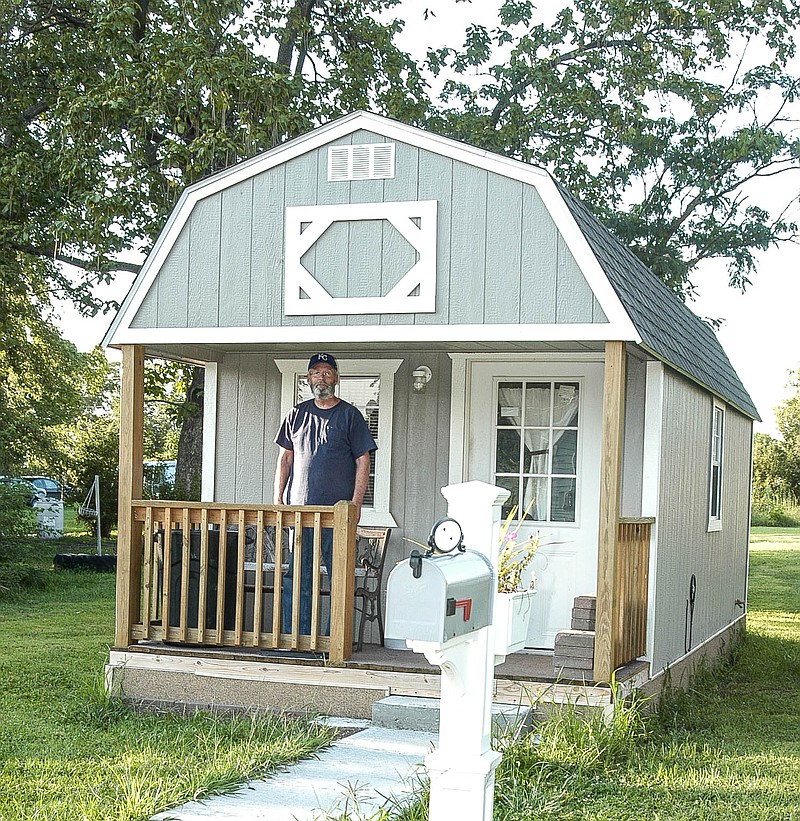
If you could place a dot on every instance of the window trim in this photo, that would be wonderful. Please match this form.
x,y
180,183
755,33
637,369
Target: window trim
x,y
717,412
379,515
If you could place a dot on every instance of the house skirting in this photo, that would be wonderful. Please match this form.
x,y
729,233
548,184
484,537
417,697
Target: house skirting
x,y
709,654
187,682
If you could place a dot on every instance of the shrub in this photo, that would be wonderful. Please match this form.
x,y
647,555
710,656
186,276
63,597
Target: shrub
x,y
16,517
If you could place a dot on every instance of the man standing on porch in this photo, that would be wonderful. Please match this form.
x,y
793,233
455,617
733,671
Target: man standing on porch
x,y
324,458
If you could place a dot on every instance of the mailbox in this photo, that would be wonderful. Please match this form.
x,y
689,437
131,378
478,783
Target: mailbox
x,y
439,598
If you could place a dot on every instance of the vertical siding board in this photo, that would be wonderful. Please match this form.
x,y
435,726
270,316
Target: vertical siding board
x,y
574,298
436,183
227,416
365,259
330,254
272,419
173,285
266,266
301,189
539,262
147,315
503,252
235,255
250,434
468,239
204,244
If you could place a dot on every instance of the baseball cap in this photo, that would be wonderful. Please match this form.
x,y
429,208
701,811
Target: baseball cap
x,y
322,359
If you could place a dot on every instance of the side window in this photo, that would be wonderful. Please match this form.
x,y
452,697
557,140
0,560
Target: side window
x,y
716,468
536,447
369,385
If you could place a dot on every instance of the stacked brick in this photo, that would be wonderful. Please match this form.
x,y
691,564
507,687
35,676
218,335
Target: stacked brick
x,y
573,656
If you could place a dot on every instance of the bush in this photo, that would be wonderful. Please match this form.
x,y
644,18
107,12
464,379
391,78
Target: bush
x,y
16,517
774,509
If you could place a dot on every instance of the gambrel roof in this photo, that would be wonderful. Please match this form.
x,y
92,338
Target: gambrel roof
x,y
516,259
668,328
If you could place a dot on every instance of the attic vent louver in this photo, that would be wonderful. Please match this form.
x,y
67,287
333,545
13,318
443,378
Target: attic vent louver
x,y
371,161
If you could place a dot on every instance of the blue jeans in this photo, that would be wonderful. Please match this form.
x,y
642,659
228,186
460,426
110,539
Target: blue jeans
x,y
306,573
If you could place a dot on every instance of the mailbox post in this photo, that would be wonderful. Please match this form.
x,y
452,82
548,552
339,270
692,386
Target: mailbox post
x,y
442,606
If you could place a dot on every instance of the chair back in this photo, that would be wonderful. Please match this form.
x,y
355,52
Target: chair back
x,y
371,550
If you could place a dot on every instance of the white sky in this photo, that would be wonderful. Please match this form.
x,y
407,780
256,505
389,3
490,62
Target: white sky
x,y
761,331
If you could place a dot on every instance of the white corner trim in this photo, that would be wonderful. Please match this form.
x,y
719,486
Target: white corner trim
x,y
306,224
459,424
208,473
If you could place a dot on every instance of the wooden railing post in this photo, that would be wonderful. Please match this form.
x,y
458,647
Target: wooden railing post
x,y
342,581
610,477
131,416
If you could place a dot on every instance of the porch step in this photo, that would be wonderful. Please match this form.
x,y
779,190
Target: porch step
x,y
422,714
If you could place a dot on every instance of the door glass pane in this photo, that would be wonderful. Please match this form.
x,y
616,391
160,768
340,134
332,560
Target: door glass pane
x,y
507,460
509,403
534,498
562,505
565,407
537,403
565,451
537,449
511,484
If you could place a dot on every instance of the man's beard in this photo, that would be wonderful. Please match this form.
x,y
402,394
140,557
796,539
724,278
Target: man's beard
x,y
322,391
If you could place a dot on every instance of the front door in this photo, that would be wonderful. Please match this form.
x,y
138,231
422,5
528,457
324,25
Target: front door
x,y
534,428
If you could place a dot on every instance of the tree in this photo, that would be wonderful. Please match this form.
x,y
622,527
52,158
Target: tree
x,y
787,417
111,109
658,113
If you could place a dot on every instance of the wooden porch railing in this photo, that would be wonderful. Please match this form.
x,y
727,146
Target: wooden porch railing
x,y
629,607
196,578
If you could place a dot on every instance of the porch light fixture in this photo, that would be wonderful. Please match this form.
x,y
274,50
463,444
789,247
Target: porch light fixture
x,y
421,376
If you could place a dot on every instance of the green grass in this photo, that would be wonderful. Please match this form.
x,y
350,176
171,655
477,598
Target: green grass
x,y
67,753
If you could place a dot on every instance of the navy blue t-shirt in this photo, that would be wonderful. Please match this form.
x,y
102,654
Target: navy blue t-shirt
x,y
326,443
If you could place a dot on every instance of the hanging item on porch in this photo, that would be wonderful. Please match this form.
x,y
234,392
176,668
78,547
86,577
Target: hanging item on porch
x,y
90,509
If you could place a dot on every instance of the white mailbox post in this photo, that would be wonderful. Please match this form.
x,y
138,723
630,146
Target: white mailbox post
x,y
432,617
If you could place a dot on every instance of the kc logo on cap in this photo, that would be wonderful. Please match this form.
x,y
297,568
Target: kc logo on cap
x,y
322,359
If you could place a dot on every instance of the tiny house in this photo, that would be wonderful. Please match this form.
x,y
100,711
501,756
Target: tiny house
x,y
488,327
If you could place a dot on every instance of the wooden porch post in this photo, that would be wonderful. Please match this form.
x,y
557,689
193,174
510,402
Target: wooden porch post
x,y
610,478
131,420
342,581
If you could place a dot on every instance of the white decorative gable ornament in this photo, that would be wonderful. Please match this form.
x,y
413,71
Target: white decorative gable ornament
x,y
414,293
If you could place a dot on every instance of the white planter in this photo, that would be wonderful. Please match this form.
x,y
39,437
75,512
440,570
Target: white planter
x,y
512,618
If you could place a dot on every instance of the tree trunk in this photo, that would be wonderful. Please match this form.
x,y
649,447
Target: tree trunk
x,y
189,465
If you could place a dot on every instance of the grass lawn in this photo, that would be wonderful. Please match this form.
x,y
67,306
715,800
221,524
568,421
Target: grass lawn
x,y
66,752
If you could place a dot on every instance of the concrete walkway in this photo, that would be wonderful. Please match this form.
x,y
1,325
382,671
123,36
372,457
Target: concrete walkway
x,y
374,766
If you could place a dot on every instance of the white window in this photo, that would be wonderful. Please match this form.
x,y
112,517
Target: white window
x,y
715,468
369,385
536,447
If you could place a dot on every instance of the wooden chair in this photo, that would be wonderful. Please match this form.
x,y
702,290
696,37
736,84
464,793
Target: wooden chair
x,y
370,555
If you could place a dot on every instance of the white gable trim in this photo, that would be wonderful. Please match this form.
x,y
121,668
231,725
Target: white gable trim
x,y
390,130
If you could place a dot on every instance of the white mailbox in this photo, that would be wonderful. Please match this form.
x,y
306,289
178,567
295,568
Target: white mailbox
x,y
439,598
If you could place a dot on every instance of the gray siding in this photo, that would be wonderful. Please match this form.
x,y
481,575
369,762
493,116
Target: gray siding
x,y
500,258
685,547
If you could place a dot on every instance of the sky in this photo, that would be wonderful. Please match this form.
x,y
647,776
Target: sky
x,y
760,328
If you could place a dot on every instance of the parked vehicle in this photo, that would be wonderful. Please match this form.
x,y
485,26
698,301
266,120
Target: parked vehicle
x,y
51,488
32,493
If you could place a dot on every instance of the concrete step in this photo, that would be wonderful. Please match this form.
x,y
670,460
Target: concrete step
x,y
422,715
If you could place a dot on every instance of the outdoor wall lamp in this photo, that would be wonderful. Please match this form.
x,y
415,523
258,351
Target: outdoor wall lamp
x,y
421,376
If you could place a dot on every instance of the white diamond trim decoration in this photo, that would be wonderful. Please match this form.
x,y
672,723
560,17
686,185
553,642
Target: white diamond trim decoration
x,y
414,293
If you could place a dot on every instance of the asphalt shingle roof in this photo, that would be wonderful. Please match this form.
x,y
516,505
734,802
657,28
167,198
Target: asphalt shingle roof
x,y
668,328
